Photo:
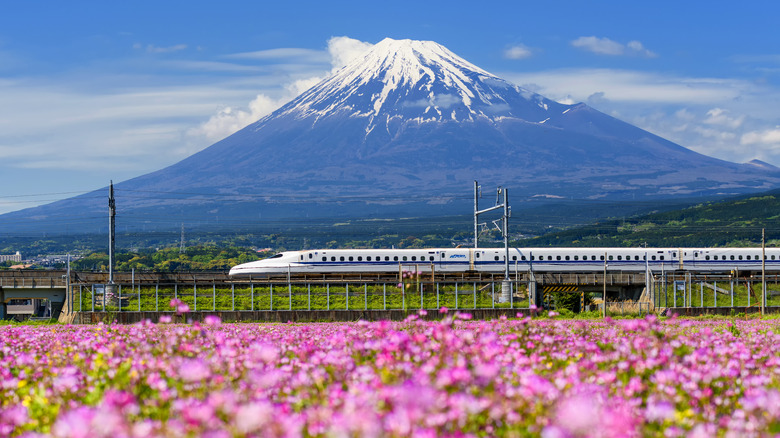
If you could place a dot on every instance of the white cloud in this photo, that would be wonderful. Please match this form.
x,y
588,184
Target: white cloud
x,y
629,86
601,46
343,50
606,46
769,137
229,120
637,48
283,53
151,48
518,51
720,117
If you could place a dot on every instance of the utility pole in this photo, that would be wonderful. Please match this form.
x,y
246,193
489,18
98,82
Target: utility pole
x,y
506,285
111,232
604,308
181,243
763,270
476,214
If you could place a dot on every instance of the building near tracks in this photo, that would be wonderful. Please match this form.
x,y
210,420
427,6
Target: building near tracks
x,y
11,258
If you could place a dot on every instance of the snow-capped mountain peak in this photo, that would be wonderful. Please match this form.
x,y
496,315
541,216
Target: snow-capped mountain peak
x,y
417,80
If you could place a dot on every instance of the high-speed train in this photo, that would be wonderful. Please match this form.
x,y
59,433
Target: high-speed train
x,y
520,260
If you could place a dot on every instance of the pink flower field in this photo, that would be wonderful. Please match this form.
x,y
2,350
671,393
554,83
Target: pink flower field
x,y
524,377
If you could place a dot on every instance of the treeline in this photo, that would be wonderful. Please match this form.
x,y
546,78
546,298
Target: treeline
x,y
737,222
200,258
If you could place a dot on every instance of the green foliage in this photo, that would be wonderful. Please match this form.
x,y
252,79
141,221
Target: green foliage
x,y
198,258
736,222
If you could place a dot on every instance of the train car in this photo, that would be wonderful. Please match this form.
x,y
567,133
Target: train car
x,y
520,260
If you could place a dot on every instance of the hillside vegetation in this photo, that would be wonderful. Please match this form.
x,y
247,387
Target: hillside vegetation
x,y
734,222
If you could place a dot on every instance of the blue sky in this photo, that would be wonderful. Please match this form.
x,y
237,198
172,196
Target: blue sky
x,y
94,91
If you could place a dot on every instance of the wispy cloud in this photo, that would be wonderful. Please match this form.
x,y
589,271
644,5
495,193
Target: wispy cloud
x,y
284,53
606,46
727,118
151,48
518,51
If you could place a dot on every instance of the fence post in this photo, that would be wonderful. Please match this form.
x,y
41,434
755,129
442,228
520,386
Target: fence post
x,y
715,293
731,287
365,298
456,295
289,289
327,294
493,292
93,297
157,296
214,296
308,302
384,296
437,296
195,292
346,288
475,295
233,297
701,293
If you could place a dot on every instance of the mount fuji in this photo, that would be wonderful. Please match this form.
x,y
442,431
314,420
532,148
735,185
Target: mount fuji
x,y
407,127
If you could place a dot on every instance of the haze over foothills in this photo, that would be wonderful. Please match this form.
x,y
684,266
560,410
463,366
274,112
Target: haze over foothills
x,y
92,91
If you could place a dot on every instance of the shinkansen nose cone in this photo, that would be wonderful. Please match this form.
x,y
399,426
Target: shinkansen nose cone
x,y
239,270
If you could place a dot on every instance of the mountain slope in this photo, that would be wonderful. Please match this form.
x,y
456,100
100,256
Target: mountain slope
x,y
406,128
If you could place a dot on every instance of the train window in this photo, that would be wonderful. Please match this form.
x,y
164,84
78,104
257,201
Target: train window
x,y
368,259
523,258
324,259
414,258
706,257
351,258
601,257
732,257
395,258
674,254
341,258
310,256
758,258
387,258
477,255
620,258
422,258
636,257
748,257
444,256
495,258
610,257
549,257
773,257
567,257
333,258
652,257
301,256
514,257
662,257
404,258
740,257
593,258
557,257
576,257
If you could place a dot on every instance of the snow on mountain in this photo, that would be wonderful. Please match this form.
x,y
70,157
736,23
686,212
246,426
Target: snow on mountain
x,y
420,80
408,127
